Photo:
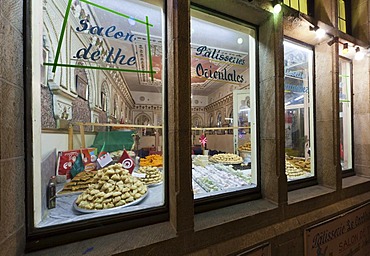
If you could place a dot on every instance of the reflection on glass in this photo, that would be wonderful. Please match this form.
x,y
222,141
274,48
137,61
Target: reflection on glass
x,y
298,111
223,94
345,114
103,73
342,16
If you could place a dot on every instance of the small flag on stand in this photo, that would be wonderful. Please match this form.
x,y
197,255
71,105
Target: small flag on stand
x,y
78,166
104,160
102,152
127,162
203,140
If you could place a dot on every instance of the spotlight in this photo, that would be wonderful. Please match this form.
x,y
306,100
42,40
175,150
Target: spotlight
x,y
359,54
277,7
240,40
320,33
345,48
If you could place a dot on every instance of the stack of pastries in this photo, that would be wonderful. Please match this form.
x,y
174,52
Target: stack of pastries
x,y
113,186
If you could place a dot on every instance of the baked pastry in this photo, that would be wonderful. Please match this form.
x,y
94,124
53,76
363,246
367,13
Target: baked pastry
x,y
116,155
226,159
79,183
152,160
246,147
152,175
296,167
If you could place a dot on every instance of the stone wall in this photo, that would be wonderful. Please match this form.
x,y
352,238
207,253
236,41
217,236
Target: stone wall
x,y
12,164
279,217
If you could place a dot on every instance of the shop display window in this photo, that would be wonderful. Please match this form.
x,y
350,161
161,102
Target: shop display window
x,y
97,109
298,94
223,85
345,113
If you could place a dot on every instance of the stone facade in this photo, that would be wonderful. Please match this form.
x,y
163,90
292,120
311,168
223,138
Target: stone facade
x,y
12,156
279,218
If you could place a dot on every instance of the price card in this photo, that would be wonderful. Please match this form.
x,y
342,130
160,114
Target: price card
x,y
138,175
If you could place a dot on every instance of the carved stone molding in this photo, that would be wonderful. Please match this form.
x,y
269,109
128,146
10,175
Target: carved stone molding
x,y
148,107
219,103
197,109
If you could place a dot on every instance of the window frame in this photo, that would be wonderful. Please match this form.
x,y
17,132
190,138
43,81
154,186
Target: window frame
x,y
348,16
350,171
310,6
309,181
205,204
46,237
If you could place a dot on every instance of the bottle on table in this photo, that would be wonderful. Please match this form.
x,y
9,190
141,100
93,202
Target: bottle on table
x,y
51,193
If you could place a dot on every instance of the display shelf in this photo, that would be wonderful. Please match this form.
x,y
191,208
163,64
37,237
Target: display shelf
x,y
130,127
230,190
65,213
220,178
220,128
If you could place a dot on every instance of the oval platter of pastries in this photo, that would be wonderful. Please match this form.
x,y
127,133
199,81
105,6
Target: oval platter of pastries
x,y
113,188
226,158
150,175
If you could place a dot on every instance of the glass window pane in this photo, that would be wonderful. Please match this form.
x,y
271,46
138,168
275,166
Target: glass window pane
x,y
99,114
294,4
345,114
342,10
303,6
342,25
223,104
299,146
287,2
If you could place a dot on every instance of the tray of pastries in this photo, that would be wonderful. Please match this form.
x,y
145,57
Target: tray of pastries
x,y
114,187
296,167
247,147
150,175
78,184
227,158
152,160
116,155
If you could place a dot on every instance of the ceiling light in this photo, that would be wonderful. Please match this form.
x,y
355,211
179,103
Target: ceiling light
x,y
359,54
277,8
345,48
240,40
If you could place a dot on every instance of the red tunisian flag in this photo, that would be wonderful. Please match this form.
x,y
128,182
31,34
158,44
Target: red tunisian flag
x,y
127,162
